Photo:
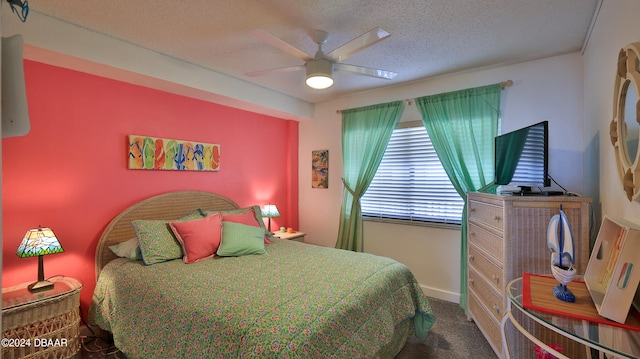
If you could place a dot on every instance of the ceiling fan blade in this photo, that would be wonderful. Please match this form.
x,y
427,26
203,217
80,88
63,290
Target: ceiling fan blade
x,y
367,71
269,71
358,44
281,44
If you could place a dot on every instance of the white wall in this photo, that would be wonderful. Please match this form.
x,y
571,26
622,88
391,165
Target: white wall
x,y
616,26
548,89
58,43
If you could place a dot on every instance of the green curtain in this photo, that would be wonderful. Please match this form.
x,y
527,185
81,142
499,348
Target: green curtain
x,y
365,135
462,126
508,153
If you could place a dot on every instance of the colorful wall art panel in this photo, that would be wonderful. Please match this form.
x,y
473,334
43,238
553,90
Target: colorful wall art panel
x,y
150,153
320,169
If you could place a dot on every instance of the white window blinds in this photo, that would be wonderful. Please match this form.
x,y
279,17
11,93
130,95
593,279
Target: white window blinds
x,y
530,169
411,184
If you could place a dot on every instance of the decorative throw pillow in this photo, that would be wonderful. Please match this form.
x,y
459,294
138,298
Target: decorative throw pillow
x,y
254,210
251,216
196,214
241,239
199,238
247,217
127,249
156,240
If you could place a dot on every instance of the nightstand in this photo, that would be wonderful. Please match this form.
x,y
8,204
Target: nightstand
x,y
295,236
43,324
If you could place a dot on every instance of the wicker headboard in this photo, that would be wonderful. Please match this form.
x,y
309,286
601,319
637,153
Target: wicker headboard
x,y
166,206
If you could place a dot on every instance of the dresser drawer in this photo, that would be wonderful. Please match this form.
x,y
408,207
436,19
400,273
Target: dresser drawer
x,y
492,300
486,213
491,271
486,240
487,325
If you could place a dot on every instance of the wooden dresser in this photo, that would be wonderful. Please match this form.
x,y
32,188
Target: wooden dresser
x,y
507,236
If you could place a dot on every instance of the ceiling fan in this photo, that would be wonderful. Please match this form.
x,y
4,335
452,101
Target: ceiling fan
x,y
320,67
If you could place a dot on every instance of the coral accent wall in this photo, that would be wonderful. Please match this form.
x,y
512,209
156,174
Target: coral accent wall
x,y
70,172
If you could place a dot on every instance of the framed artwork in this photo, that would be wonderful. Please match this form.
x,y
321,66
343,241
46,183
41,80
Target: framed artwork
x,y
320,169
150,153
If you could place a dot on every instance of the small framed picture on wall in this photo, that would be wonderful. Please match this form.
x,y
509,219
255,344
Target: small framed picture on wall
x,y
320,169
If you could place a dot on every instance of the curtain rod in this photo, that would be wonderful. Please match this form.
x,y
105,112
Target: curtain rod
x,y
409,101
505,84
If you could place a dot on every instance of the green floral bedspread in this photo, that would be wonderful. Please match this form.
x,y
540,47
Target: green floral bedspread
x,y
297,301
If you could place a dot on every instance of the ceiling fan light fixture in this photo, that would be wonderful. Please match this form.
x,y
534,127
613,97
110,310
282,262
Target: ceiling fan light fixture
x,y
319,74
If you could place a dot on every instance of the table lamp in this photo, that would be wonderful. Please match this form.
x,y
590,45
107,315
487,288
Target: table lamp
x,y
38,242
269,211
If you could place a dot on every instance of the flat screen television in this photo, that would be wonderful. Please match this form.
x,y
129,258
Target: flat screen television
x,y
522,158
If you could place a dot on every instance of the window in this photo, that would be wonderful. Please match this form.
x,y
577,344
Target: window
x,y
411,184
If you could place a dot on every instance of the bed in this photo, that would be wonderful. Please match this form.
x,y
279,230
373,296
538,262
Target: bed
x,y
294,301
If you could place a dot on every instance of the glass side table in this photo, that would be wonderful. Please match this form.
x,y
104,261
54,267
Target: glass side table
x,y
611,340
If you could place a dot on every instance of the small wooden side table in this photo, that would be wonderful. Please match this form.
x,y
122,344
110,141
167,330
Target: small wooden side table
x,y
294,236
43,324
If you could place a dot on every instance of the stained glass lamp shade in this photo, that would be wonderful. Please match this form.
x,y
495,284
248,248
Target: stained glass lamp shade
x,y
37,243
269,211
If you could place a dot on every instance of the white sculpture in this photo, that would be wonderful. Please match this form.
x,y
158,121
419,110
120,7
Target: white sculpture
x,y
560,241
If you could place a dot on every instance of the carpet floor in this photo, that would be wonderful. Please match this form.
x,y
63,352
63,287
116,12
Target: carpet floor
x,y
452,337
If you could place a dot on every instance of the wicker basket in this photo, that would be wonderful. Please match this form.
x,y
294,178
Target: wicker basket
x,y
43,328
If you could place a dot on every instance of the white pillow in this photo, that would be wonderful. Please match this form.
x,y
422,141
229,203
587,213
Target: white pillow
x,y
127,249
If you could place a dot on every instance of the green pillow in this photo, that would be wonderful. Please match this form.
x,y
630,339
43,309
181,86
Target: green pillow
x,y
240,239
157,241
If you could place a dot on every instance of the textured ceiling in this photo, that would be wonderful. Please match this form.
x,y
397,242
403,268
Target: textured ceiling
x,y
428,37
